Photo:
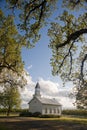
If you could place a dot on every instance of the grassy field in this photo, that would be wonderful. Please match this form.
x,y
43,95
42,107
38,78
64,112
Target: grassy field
x,y
30,123
3,127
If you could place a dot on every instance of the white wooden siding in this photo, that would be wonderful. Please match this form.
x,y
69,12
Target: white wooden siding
x,y
35,106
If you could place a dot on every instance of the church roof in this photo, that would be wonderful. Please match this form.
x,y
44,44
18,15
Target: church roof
x,y
37,85
49,101
45,100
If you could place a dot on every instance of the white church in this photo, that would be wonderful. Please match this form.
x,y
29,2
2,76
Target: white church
x,y
44,105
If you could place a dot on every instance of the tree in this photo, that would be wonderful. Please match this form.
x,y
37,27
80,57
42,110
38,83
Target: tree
x,y
33,16
10,45
65,43
81,98
69,49
10,78
67,36
10,83
10,99
65,33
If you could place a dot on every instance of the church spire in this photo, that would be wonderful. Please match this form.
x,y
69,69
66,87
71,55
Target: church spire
x,y
37,90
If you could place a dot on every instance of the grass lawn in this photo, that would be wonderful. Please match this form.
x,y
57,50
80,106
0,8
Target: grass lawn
x,y
30,123
12,114
3,127
73,119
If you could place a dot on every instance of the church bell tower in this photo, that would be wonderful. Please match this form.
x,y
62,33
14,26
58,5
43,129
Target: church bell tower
x,y
37,90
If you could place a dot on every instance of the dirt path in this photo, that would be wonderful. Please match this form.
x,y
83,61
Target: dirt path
x,y
26,123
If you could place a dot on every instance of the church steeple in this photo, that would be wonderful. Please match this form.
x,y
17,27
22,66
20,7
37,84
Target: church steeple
x,y
37,90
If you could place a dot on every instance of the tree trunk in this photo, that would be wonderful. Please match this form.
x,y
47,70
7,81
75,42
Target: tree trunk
x,y
8,111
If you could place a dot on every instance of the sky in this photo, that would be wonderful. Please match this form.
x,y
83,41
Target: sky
x,y
48,89
37,65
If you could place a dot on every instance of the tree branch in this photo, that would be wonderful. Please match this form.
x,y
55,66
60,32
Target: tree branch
x,y
73,37
82,67
15,4
33,9
70,63
69,52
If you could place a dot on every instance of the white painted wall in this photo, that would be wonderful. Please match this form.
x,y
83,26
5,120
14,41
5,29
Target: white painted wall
x,y
35,106
51,109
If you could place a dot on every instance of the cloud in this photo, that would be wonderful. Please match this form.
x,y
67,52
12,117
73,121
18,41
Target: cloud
x,y
29,67
48,89
54,90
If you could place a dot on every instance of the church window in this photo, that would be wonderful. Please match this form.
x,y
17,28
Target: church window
x,y
50,110
46,110
57,110
54,110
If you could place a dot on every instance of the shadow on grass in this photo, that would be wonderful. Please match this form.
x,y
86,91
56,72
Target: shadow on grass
x,y
41,125
3,127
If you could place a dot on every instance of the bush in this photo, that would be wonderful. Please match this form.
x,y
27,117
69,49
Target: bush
x,y
29,114
26,114
49,116
36,114
3,110
13,110
75,112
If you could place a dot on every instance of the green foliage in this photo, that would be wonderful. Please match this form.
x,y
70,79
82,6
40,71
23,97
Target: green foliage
x,y
69,49
75,4
36,114
10,99
64,51
14,112
81,98
75,112
49,116
26,114
10,44
10,83
67,42
29,114
33,16
11,78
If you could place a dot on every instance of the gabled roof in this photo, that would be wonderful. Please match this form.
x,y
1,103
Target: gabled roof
x,y
49,101
45,100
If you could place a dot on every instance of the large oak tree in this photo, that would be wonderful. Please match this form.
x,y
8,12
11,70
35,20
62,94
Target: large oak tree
x,y
67,35
11,43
